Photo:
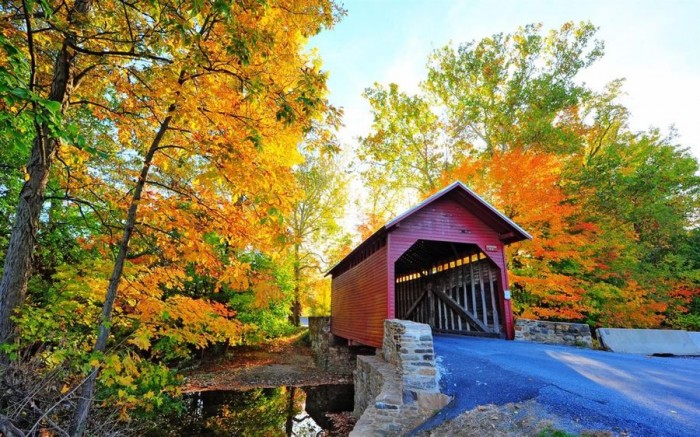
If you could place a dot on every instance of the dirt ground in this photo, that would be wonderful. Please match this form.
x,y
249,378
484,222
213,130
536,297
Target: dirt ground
x,y
510,420
281,362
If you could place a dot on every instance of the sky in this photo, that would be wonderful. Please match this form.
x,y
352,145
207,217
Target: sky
x,y
655,45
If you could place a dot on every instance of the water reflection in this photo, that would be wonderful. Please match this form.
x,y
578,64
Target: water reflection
x,y
290,411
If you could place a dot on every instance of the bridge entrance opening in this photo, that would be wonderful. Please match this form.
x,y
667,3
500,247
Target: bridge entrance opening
x,y
453,287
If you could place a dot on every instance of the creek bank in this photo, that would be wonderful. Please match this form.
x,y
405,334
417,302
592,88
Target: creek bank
x,y
280,362
330,353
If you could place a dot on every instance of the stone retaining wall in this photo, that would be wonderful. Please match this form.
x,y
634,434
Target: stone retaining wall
x,y
328,354
573,334
397,389
369,377
409,346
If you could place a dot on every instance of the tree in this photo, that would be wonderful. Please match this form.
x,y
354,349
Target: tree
x,y
65,45
14,146
547,273
506,91
611,210
514,90
177,151
314,223
643,191
215,141
405,149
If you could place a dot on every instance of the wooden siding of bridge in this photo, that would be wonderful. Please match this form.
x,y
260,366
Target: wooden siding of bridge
x,y
361,293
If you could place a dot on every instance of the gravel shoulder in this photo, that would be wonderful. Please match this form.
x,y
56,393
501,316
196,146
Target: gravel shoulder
x,y
511,420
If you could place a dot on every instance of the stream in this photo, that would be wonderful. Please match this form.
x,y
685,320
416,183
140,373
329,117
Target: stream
x,y
279,411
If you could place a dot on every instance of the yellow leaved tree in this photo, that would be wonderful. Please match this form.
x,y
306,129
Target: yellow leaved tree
x,y
182,121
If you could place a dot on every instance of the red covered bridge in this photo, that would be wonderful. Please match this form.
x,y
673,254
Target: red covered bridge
x,y
442,263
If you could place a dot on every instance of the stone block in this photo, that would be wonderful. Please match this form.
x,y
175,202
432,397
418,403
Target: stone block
x,y
410,357
427,371
432,402
395,427
385,406
430,386
409,397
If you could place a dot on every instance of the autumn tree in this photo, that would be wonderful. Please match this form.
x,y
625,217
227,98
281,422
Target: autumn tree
x,y
68,46
314,225
405,148
14,146
644,192
505,91
548,273
215,141
379,204
203,104
514,90
607,206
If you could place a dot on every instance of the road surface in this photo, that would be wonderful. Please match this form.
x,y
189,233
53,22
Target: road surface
x,y
640,395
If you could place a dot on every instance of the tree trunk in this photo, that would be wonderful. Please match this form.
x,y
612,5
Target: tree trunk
x,y
82,410
296,299
18,259
289,423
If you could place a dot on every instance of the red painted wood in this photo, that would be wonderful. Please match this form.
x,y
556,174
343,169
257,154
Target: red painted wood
x,y
447,220
359,300
505,305
363,296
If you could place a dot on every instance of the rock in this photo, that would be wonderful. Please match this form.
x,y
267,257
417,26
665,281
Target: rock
x,y
431,402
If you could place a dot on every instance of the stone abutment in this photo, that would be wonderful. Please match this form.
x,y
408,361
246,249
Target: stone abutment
x,y
397,389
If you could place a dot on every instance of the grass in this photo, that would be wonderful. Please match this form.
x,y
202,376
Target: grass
x,y
550,432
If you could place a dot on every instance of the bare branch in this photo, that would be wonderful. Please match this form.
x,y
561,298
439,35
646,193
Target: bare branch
x,y
30,44
79,77
99,105
60,401
8,429
129,54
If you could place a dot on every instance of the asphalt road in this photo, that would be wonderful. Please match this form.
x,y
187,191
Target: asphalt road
x,y
642,396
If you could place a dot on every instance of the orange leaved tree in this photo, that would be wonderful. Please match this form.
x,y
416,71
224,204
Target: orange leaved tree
x,y
208,141
548,272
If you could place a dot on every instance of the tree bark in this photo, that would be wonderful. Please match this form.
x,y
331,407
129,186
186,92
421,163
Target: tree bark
x,y
18,259
82,410
296,299
289,423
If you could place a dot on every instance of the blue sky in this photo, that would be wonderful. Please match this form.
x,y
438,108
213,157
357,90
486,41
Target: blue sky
x,y
655,45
